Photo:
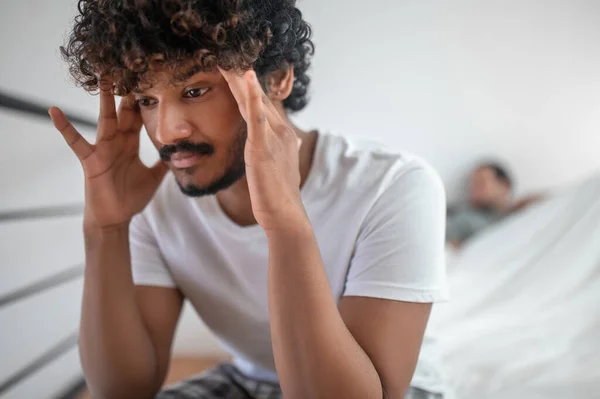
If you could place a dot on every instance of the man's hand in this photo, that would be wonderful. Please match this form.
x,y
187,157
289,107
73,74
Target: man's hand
x,y
271,155
117,184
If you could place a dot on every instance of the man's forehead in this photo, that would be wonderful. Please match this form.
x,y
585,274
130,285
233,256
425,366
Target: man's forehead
x,y
484,169
169,77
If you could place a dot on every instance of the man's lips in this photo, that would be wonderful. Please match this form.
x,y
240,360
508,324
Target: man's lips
x,y
183,160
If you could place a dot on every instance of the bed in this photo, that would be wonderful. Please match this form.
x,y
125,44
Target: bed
x,y
524,318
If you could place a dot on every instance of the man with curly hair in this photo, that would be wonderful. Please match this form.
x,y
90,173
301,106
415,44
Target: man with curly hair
x,y
314,259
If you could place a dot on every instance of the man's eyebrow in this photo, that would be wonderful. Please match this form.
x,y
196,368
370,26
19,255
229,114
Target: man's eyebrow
x,y
178,78
188,73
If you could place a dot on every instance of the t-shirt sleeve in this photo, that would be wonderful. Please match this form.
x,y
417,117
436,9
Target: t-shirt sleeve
x,y
148,266
399,253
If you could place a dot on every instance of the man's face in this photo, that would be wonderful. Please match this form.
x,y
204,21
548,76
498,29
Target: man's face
x,y
486,190
198,130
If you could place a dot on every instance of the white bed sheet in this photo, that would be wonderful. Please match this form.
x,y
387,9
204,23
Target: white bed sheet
x,y
524,315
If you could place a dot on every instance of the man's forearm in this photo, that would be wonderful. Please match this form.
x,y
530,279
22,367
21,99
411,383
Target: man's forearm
x,y
315,354
116,351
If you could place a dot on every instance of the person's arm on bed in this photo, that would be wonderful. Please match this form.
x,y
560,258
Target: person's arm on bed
x,y
526,201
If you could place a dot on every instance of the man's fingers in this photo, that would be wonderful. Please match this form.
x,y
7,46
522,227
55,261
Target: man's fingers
x,y
129,118
237,85
271,114
78,144
107,120
257,118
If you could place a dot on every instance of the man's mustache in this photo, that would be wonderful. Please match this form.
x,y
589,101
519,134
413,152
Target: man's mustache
x,y
185,146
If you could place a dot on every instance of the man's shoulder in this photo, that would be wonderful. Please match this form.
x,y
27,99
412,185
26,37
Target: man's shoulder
x,y
360,162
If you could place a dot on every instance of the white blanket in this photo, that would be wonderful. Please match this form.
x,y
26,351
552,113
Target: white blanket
x,y
524,318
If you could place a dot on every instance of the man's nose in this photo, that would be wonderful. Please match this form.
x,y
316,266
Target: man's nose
x,y
171,125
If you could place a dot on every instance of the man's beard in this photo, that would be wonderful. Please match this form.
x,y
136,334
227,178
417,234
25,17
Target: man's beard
x,y
234,171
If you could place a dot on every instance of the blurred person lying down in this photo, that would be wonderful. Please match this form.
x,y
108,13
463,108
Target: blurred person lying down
x,y
489,200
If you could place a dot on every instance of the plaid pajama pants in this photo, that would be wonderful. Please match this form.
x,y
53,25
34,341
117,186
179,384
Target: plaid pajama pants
x,y
227,382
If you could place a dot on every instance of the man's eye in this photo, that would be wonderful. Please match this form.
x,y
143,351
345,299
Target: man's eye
x,y
199,92
144,102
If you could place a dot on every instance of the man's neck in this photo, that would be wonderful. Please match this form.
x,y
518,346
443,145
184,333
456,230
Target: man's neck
x,y
235,201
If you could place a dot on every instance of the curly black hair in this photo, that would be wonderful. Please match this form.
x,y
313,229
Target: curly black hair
x,y
126,40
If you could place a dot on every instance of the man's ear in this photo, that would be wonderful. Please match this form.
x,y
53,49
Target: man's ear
x,y
280,84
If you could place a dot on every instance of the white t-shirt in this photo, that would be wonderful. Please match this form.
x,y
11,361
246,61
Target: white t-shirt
x,y
379,219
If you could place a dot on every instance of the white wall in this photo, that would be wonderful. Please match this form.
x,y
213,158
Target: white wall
x,y
457,80
451,81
